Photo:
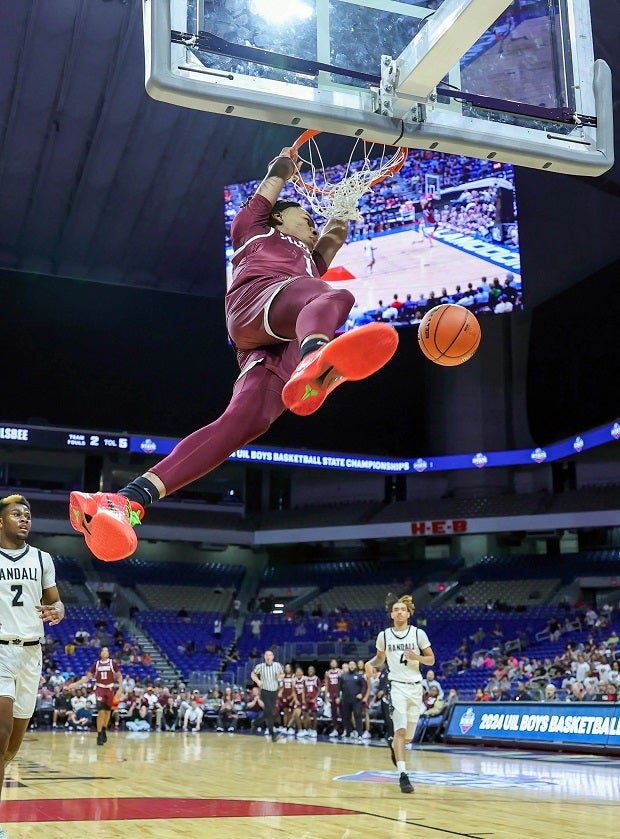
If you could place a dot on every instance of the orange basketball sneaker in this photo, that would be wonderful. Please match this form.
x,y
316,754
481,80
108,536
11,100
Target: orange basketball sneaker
x,y
106,520
349,357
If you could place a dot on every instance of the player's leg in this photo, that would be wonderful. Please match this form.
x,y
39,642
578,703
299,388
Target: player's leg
x,y
308,307
269,701
105,519
400,718
358,717
15,739
104,711
317,310
20,672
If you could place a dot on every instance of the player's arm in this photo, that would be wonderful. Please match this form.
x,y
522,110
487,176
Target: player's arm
x,y
425,656
279,171
332,238
85,678
52,609
376,663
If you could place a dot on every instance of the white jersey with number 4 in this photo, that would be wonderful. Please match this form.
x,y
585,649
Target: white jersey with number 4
x,y
394,645
24,574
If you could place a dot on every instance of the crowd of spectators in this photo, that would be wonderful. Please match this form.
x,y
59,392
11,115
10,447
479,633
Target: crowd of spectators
x,y
484,297
580,662
586,669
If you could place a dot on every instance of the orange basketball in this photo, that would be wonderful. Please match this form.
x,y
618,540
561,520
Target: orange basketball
x,y
449,334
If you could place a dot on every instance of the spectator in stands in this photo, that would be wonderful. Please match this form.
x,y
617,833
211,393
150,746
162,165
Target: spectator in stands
x,y
61,703
431,682
523,694
82,637
551,693
137,717
591,618
56,679
169,715
481,695
591,693
82,718
255,627
182,703
217,629
192,721
577,692
183,614
608,692
554,629
432,714
254,709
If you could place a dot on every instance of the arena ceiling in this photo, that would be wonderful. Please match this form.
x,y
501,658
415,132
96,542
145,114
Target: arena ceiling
x,y
100,182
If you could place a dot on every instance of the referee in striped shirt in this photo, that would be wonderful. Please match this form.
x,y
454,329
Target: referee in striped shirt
x,y
268,676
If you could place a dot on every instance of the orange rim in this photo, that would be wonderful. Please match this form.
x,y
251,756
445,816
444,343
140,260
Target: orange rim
x,y
395,166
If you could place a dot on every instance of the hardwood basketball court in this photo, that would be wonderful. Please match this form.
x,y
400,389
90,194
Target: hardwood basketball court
x,y
240,786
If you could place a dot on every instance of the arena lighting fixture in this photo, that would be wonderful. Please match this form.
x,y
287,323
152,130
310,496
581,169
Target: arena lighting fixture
x,y
279,605
280,14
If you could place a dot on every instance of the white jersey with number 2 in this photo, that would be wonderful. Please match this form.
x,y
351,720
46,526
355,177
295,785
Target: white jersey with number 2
x,y
394,645
24,575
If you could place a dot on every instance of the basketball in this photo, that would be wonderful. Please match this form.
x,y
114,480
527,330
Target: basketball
x,y
449,334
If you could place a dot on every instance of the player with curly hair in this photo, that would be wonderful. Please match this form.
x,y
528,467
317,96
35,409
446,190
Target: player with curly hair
x,y
402,648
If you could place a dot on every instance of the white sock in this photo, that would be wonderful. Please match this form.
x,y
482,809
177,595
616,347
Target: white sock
x,y
400,765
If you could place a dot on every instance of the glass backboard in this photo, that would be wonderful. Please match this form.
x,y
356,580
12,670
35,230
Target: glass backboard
x,y
512,81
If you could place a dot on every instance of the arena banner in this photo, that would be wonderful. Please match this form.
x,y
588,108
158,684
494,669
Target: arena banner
x,y
583,725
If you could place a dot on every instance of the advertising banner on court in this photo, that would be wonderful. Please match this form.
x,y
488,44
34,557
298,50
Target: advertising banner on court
x,y
549,724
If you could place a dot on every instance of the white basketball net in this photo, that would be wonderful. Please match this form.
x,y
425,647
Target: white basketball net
x,y
334,192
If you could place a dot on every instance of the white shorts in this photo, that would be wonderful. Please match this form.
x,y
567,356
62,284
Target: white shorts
x,y
20,673
406,704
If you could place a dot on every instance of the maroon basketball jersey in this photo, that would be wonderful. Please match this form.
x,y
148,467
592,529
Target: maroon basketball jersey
x,y
300,685
288,687
262,251
332,682
313,686
105,672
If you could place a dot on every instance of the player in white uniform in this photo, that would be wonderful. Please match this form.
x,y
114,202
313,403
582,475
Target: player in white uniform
x,y
28,597
402,648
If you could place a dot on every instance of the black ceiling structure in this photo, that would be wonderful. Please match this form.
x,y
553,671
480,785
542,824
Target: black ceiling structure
x,y
100,184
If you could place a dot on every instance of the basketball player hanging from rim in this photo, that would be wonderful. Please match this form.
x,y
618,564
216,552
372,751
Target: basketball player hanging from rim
x,y
282,318
402,648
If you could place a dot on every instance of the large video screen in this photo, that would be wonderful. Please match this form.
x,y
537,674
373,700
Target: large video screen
x,y
443,230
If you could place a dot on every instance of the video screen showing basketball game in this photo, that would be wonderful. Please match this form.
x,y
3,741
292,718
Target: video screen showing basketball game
x,y
444,229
